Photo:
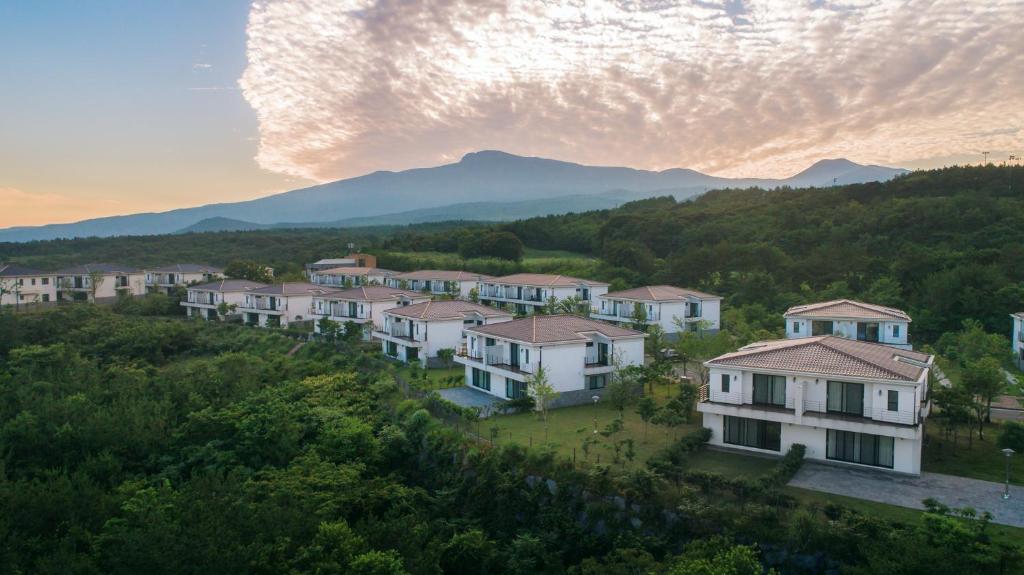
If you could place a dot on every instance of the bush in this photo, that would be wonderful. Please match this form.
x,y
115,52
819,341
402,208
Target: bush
x,y
1011,436
787,467
520,405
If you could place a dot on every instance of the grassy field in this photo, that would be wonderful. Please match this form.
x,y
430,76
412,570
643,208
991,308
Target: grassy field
x,y
982,460
436,378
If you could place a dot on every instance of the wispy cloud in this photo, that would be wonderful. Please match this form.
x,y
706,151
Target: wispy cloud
x,y
201,66
761,87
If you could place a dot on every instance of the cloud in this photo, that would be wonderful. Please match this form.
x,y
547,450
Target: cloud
x,y
738,88
21,208
201,66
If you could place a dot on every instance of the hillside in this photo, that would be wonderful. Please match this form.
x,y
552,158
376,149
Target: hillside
x,y
481,177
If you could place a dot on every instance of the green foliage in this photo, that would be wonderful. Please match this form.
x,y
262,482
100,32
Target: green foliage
x,y
499,244
1012,436
248,270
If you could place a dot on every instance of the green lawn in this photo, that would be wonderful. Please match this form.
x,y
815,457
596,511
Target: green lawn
x,y
982,460
436,378
732,464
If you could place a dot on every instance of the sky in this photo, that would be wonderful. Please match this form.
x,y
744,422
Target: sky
x,y
112,107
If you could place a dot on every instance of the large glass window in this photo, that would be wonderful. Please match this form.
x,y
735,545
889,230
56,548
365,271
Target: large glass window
x,y
597,381
481,379
867,331
894,400
821,327
753,433
862,448
845,398
769,389
514,389
725,382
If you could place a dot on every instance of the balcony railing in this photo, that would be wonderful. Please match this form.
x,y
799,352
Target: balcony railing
x,y
904,417
264,306
591,359
627,314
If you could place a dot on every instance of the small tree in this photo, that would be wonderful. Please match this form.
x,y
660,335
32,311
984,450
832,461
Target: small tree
x,y
95,281
646,408
639,317
1012,436
669,416
655,342
551,306
687,399
622,389
540,389
328,328
985,380
474,295
447,357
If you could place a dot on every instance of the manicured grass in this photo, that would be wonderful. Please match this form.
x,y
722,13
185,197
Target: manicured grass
x,y
981,460
567,428
888,512
731,464
436,378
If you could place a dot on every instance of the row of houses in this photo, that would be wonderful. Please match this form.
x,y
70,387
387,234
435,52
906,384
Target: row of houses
x,y
95,282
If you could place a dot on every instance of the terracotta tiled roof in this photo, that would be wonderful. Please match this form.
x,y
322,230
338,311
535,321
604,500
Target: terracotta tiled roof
x,y
229,286
10,271
845,308
660,293
373,293
292,288
357,271
446,309
442,275
97,268
553,329
829,356
187,268
544,280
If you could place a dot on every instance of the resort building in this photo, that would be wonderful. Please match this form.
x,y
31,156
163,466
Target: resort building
x,y
439,282
524,294
362,305
280,304
349,277
1017,341
165,279
418,332
216,299
578,355
99,282
847,401
850,319
664,306
23,286
354,260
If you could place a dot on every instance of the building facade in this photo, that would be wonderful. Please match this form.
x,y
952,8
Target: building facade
x,y
99,282
281,304
579,355
457,284
525,294
25,286
668,307
164,279
418,332
851,320
848,402
362,305
349,277
355,260
1017,339
217,299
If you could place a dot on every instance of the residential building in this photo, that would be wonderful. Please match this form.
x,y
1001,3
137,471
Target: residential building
x,y
362,305
662,306
1018,339
847,401
850,319
526,293
418,332
22,286
578,355
205,300
280,304
354,260
348,277
165,279
439,282
99,282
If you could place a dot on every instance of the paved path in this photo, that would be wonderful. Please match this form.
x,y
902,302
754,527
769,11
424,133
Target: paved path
x,y
469,397
906,491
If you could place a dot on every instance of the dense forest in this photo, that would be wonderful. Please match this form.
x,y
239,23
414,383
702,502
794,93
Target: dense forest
x,y
139,444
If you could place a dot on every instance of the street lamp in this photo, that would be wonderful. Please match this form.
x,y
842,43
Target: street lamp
x,y
596,398
1008,453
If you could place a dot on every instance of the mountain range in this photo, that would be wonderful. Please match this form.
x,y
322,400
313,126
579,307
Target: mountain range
x,y
485,186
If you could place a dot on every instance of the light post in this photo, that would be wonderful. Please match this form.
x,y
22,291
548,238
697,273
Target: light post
x,y
1008,453
596,398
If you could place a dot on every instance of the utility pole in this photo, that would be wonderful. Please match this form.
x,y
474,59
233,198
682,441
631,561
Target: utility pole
x,y
1009,172
986,158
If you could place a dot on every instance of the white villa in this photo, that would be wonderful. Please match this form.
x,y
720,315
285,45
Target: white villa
x,y
280,304
1018,339
204,300
439,282
847,401
165,279
526,293
76,283
418,332
353,260
348,277
662,306
850,319
21,286
363,305
578,355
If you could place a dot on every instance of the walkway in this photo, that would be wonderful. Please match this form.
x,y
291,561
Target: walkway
x,y
906,491
468,397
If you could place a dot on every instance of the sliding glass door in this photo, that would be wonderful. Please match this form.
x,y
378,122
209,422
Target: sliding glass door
x,y
752,433
770,389
863,448
846,398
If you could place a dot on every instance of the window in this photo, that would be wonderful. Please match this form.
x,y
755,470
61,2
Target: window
x,y
513,389
392,349
862,448
769,389
796,327
46,281
867,331
819,327
725,382
597,381
894,400
752,433
845,398
481,379
46,297
896,331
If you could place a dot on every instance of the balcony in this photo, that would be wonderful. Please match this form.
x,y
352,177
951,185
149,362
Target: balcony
x,y
495,356
397,331
901,417
624,315
263,305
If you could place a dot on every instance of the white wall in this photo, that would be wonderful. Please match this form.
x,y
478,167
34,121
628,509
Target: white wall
x,y
797,327
1018,345
29,289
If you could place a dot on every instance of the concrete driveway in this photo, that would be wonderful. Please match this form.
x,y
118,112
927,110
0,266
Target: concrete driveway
x,y
908,491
